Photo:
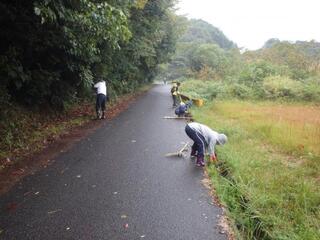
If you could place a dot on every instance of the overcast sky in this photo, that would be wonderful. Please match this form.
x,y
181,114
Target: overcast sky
x,y
250,23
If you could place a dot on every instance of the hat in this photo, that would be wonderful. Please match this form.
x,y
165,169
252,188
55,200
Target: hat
x,y
222,139
189,103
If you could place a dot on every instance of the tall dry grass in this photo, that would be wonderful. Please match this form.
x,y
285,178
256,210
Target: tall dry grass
x,y
268,174
292,128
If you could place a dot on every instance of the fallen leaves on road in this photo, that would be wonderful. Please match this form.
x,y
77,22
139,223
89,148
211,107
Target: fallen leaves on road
x,y
18,172
224,227
54,211
126,225
63,170
123,216
27,193
12,207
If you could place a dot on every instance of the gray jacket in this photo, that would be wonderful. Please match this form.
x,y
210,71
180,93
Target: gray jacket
x,y
211,137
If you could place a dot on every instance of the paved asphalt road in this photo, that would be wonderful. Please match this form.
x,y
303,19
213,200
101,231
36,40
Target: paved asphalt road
x,y
117,184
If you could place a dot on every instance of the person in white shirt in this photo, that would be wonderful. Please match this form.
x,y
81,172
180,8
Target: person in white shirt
x,y
204,139
101,89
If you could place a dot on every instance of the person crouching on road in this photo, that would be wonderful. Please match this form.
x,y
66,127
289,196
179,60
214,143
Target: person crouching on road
x,y
101,89
204,138
182,110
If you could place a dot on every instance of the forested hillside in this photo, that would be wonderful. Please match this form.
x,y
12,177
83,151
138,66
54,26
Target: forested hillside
x,y
279,70
202,49
199,31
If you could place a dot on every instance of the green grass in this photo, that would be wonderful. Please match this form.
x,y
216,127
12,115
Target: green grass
x,y
270,192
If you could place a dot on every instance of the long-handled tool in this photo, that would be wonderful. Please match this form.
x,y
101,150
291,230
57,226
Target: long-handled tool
x,y
169,117
179,153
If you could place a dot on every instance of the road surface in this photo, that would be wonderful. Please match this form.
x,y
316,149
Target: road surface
x,y
117,184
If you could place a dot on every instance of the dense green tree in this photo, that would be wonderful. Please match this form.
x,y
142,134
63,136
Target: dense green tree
x,y
208,56
154,34
53,50
253,74
48,47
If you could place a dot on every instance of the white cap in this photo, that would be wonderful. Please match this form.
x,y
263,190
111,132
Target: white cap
x,y
222,139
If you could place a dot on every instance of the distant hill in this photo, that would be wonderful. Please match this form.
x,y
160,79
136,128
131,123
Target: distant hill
x,y
203,32
271,42
310,49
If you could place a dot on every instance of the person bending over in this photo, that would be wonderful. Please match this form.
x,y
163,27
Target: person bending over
x,y
204,139
101,90
182,110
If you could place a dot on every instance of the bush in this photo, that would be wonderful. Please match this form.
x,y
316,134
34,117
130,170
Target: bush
x,y
285,87
310,92
207,90
253,74
240,91
273,87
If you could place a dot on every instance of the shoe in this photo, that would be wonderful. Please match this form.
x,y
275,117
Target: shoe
x,y
103,115
200,161
200,164
193,153
99,114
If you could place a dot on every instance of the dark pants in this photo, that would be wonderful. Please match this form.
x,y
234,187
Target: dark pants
x,y
199,141
175,100
181,110
101,103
